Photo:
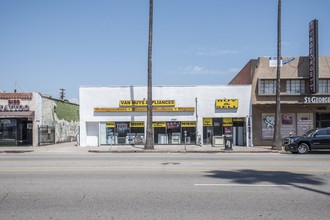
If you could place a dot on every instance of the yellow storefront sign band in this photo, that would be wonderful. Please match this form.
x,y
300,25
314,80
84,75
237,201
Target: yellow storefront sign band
x,y
226,103
188,124
133,103
227,122
207,121
112,109
158,124
141,109
137,124
110,124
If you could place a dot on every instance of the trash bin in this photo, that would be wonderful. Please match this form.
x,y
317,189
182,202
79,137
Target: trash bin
x,y
228,142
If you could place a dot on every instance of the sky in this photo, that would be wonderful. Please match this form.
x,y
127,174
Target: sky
x,y
48,45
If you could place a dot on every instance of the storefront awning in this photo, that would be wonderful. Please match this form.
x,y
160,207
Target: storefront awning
x,y
27,114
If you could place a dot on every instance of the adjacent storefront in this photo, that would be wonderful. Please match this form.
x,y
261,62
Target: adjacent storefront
x,y
16,119
30,119
181,115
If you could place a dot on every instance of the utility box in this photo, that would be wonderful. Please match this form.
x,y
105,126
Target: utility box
x,y
217,141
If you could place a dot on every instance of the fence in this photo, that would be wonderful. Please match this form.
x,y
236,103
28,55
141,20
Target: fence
x,y
46,135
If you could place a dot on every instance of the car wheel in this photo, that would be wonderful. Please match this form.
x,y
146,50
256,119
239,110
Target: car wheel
x,y
303,148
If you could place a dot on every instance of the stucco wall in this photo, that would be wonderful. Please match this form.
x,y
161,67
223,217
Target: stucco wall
x,y
66,128
184,96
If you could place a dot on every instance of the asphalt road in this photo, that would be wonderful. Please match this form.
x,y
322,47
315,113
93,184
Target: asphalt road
x,y
165,186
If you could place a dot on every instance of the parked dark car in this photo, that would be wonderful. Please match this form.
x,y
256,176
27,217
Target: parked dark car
x,y
315,139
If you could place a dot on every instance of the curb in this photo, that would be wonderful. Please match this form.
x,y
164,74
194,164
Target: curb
x,y
15,151
177,151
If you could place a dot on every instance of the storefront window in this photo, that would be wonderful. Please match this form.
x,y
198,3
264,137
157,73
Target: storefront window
x,y
304,122
288,126
121,133
174,132
8,128
191,135
8,131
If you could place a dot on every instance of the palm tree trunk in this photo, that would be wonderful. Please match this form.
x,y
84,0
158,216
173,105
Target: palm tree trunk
x,y
149,136
277,131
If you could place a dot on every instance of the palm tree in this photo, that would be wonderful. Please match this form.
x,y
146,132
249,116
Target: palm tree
x,y
149,136
277,131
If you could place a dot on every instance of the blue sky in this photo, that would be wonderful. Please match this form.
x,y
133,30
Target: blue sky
x,y
46,45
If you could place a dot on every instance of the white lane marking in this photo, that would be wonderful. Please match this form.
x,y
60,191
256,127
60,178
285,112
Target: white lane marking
x,y
240,185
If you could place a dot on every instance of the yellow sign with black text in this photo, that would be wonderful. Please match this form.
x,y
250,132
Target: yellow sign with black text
x,y
136,124
140,103
228,122
207,121
226,103
110,124
160,124
112,109
188,124
143,109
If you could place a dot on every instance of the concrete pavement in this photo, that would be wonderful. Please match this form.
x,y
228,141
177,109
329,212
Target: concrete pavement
x,y
72,147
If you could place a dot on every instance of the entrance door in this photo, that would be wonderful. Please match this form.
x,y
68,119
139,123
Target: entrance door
x,y
24,132
207,135
322,120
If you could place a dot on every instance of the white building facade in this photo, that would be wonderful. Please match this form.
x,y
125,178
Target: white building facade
x,y
181,115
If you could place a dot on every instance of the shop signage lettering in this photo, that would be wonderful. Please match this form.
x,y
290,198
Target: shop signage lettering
x,y
238,119
157,109
163,103
227,122
207,121
159,124
314,99
12,108
187,124
226,103
112,109
132,103
249,129
125,103
110,124
313,56
172,125
137,124
121,125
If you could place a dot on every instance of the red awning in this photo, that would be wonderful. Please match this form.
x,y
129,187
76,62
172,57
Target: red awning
x,y
27,114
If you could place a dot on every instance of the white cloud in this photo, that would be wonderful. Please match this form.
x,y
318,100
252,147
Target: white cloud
x,y
198,70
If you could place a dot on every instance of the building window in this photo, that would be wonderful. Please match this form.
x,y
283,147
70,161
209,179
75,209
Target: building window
x,y
324,86
295,86
267,86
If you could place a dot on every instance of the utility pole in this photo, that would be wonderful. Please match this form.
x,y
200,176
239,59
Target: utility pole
x,y
149,136
62,94
277,131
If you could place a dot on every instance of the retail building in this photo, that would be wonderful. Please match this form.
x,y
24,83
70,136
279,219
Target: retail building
x,y
31,119
181,114
301,107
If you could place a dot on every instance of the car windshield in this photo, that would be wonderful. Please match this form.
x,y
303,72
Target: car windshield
x,y
310,132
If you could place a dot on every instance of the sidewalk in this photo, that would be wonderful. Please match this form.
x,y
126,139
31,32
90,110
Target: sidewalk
x,y
73,148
